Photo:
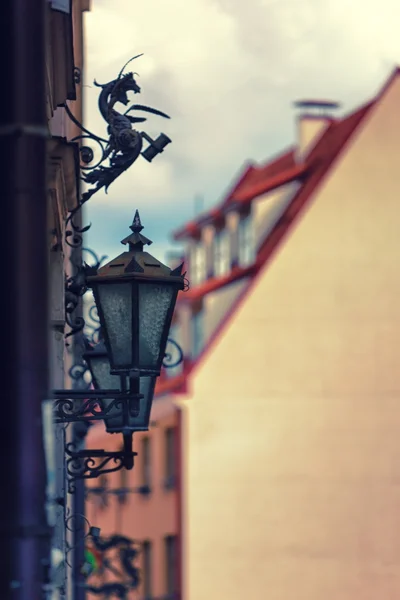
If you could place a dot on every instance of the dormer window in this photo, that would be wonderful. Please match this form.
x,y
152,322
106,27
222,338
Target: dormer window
x,y
246,246
221,253
197,264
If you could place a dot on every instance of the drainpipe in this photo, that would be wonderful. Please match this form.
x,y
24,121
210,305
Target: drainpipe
x,y
79,592
24,533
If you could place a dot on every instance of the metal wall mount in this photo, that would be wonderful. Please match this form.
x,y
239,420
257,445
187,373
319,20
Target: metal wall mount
x,y
90,464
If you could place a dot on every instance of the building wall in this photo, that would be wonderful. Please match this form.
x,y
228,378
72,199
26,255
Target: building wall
x,y
218,303
144,516
63,53
292,448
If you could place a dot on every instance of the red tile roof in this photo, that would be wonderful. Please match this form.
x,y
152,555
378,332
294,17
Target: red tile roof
x,y
283,162
193,228
319,161
253,181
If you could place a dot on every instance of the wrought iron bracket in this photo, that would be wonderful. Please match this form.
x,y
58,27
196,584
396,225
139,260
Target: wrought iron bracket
x,y
90,464
94,405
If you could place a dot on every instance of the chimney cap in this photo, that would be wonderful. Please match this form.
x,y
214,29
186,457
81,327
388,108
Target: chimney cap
x,y
317,104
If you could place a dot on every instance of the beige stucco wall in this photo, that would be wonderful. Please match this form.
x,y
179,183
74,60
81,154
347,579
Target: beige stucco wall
x,y
292,434
218,303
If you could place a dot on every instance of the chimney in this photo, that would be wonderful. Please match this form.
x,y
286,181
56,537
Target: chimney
x,y
313,119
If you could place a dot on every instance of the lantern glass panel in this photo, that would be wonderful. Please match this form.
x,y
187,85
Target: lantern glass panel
x,y
156,301
139,419
103,379
116,305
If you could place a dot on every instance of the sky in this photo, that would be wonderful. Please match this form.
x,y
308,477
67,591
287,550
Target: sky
x,y
227,72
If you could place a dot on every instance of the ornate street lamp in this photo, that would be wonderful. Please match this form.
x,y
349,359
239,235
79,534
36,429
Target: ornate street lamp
x,y
135,295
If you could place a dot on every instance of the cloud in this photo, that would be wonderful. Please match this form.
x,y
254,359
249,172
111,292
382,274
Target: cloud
x,y
227,72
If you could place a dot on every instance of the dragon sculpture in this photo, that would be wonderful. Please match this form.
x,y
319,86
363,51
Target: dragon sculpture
x,y
124,143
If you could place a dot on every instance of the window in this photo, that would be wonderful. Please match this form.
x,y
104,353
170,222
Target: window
x,y
123,477
197,264
146,462
197,333
221,253
171,565
170,457
246,250
123,485
147,569
104,496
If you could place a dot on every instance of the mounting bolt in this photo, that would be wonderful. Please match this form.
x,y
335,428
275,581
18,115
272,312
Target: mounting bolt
x,y
77,75
87,154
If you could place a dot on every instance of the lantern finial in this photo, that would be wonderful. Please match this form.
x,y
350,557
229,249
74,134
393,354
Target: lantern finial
x,y
136,226
136,240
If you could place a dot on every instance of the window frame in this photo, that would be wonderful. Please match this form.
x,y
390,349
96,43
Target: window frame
x,y
246,244
146,470
123,484
147,568
197,263
197,332
221,252
171,565
170,441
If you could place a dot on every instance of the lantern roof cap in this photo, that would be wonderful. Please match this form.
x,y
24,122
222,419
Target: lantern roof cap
x,y
135,263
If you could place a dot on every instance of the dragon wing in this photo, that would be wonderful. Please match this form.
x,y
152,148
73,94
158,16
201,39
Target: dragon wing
x,y
136,119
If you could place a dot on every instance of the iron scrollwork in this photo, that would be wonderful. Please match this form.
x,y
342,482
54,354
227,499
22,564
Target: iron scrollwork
x,y
76,288
90,464
117,555
169,362
81,524
96,405
80,375
92,326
